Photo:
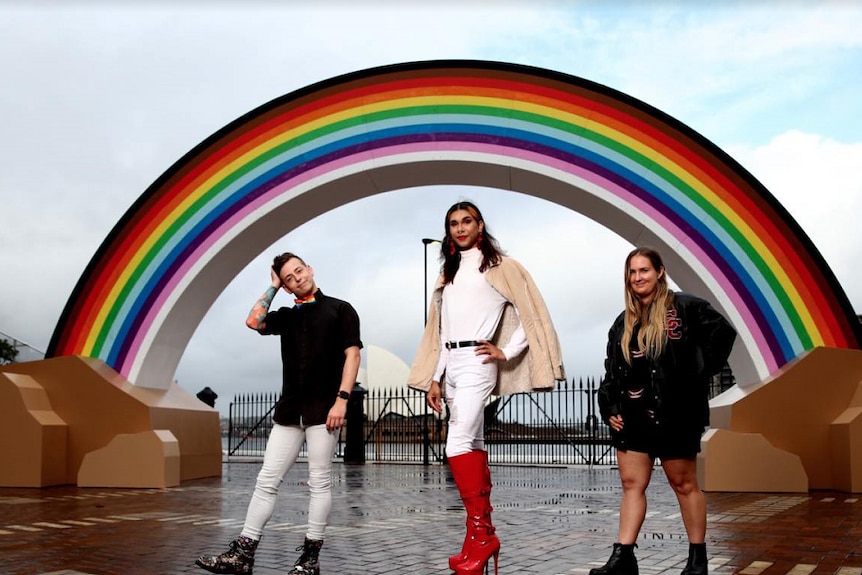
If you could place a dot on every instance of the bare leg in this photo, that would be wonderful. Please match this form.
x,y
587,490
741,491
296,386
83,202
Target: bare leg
x,y
682,476
635,473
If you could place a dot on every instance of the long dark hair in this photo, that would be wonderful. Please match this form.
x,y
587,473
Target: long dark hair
x,y
451,255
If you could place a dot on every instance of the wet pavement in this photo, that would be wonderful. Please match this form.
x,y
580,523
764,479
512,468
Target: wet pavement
x,y
407,519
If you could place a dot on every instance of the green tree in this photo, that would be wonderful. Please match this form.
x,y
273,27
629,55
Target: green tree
x,y
8,352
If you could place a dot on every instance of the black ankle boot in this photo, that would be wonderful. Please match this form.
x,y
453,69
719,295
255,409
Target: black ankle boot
x,y
238,560
696,564
621,562
308,563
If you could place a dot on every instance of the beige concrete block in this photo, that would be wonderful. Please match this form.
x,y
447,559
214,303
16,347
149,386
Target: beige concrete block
x,y
731,461
33,438
146,459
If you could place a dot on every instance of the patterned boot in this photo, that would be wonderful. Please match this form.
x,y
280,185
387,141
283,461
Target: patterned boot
x,y
308,563
239,559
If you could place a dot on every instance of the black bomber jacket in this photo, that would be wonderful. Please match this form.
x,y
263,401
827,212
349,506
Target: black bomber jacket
x,y
699,341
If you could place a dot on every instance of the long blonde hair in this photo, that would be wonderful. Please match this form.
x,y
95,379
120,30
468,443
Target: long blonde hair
x,y
651,335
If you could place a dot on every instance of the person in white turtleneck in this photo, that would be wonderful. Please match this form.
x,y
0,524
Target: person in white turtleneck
x,y
471,310
478,287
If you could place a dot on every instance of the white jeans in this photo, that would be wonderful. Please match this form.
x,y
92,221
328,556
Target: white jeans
x,y
282,449
469,384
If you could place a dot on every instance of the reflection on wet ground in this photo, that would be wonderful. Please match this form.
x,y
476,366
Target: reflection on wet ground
x,y
390,518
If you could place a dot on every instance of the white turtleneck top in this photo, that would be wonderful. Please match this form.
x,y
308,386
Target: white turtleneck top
x,y
472,309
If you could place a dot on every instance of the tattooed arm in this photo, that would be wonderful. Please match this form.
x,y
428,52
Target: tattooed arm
x,y
261,306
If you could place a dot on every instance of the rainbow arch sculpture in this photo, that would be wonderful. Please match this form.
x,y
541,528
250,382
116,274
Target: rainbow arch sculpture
x,y
584,146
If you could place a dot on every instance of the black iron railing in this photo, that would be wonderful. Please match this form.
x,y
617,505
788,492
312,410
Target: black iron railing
x,y
558,427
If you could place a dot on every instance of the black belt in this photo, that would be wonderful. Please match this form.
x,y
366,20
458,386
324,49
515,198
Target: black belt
x,y
468,343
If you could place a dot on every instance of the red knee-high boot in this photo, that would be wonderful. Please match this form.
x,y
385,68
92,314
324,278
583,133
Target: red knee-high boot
x,y
473,478
483,485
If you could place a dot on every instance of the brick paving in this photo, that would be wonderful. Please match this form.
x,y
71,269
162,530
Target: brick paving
x,y
407,519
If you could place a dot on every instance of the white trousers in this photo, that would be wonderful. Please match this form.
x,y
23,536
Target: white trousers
x,y
282,449
469,384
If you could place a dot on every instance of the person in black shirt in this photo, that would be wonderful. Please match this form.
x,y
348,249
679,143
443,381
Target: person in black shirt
x,y
320,353
661,352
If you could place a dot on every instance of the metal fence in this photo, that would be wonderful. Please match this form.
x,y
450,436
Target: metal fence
x,y
249,424
559,427
556,427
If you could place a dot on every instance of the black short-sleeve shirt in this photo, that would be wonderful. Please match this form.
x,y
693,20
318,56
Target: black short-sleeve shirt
x,y
313,339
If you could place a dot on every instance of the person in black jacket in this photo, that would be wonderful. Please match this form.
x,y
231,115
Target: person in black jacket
x,y
320,354
662,351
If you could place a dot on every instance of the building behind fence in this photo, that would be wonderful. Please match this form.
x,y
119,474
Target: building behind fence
x,y
559,427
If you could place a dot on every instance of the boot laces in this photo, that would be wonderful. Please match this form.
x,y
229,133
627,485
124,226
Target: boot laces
x,y
307,561
236,551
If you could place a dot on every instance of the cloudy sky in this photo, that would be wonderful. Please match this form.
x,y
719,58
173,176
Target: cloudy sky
x,y
98,101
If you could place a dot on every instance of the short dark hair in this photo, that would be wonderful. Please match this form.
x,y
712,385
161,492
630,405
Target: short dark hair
x,y
281,259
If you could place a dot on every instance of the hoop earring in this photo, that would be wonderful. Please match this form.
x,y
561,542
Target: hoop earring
x,y
479,239
451,248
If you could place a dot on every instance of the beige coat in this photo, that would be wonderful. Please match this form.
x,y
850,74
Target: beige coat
x,y
537,368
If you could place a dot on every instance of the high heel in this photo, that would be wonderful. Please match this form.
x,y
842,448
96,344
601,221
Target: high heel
x,y
478,558
473,478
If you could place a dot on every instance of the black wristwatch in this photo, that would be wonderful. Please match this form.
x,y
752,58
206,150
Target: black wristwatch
x,y
344,394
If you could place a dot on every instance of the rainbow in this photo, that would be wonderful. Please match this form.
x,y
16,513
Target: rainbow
x,y
772,278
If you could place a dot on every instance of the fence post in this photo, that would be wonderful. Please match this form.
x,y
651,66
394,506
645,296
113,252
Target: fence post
x,y
592,421
354,451
426,439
